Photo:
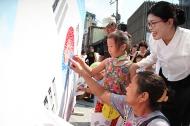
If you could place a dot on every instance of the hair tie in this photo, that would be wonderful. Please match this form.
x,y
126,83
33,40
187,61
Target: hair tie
x,y
164,97
126,32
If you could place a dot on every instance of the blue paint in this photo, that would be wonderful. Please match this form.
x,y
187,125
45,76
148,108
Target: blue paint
x,y
66,66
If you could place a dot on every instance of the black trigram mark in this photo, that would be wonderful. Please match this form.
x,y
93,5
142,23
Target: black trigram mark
x,y
107,122
96,123
45,100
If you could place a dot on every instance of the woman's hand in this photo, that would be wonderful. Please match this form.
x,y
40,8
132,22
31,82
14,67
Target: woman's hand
x,y
80,88
76,66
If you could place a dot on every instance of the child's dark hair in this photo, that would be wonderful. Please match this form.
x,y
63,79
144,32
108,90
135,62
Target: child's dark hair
x,y
120,38
143,44
83,51
135,45
138,56
166,10
154,85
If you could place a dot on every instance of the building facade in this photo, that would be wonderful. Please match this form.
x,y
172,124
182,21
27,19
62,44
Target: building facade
x,y
89,21
187,4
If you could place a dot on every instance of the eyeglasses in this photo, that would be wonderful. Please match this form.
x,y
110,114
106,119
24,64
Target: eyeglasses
x,y
153,24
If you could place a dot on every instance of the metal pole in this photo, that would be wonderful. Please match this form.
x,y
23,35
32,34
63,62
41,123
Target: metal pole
x,y
117,16
116,10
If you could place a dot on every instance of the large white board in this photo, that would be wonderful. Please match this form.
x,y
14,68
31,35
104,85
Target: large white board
x,y
35,36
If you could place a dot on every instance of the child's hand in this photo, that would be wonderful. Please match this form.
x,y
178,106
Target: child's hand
x,y
78,59
76,66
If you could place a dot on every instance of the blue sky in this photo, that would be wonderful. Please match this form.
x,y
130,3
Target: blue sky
x,y
126,8
7,19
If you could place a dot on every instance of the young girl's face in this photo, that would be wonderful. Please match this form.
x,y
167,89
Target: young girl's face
x,y
134,49
112,48
138,59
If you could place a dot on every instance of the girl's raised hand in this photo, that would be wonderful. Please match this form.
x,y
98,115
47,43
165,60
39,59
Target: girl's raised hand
x,y
78,59
75,66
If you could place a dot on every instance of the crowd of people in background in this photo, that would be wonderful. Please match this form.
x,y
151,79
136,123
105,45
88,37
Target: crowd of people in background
x,y
147,87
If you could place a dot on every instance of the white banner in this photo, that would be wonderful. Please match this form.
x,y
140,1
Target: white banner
x,y
37,38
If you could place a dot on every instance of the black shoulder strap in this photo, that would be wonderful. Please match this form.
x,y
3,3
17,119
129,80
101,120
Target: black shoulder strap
x,y
145,123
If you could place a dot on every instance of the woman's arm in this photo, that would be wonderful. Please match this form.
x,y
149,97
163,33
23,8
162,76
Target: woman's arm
x,y
149,68
95,88
152,58
149,60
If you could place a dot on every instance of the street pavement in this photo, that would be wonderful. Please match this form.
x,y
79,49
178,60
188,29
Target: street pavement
x,y
82,113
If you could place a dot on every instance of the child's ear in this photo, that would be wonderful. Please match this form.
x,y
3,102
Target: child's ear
x,y
124,46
